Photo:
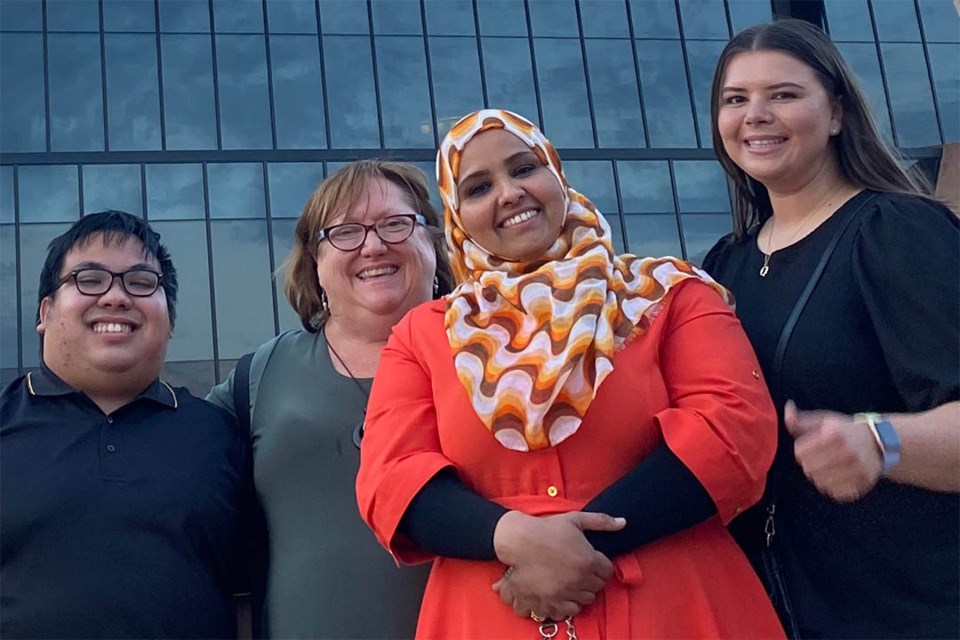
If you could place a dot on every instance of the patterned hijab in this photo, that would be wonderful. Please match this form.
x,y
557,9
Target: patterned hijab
x,y
532,341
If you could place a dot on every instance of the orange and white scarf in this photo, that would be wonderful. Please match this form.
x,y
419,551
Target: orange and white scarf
x,y
532,341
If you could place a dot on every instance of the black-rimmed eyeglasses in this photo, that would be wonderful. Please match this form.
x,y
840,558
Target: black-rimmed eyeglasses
x,y
352,235
139,283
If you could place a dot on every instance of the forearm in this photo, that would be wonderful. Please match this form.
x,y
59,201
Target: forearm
x,y
930,448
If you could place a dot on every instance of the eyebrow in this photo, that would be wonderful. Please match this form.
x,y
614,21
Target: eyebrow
x,y
778,85
140,266
511,158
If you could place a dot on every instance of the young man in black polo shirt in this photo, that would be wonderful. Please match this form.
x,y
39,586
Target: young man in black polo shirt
x,y
121,498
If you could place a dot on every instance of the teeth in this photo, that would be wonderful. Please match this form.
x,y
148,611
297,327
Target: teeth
x,y
112,327
379,271
764,143
521,217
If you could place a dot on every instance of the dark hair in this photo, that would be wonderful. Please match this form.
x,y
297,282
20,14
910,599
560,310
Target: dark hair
x,y
862,155
117,227
337,193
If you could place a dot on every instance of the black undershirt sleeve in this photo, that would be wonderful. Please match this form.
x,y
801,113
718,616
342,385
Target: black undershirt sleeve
x,y
658,497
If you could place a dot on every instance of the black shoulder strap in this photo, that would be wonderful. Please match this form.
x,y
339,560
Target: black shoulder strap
x,y
241,392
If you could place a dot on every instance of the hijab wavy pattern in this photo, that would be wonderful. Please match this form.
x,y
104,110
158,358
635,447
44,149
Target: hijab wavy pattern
x,y
532,341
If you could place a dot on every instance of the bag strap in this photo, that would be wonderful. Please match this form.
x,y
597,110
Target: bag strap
x,y
241,392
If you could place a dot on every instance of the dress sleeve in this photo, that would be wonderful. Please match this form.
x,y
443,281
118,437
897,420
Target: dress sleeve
x,y
401,444
906,261
721,423
711,262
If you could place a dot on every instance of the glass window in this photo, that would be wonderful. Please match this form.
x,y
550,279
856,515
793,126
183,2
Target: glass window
x,y
49,193
939,21
457,89
344,16
244,96
701,187
112,186
616,99
896,21
34,239
238,16
291,185
604,18
701,231
554,18
297,92
702,56
654,19
402,73
594,179
133,92
746,13
23,124
945,64
185,16
7,213
396,17
73,15
129,16
292,16
197,375
653,236
188,103
193,333
429,169
174,191
849,20
704,19
865,63
502,18
645,187
563,93
283,230
236,190
351,96
509,75
241,267
911,98
9,336
21,16
666,97
76,94
450,17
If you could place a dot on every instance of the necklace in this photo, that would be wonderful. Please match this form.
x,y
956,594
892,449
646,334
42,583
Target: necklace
x,y
357,430
773,221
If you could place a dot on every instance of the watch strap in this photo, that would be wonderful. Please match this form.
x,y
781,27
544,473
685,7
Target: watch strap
x,y
886,436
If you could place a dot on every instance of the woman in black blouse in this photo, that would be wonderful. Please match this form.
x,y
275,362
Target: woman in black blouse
x,y
847,282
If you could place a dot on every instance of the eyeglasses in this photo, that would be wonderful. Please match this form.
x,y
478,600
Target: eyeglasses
x,y
352,235
139,283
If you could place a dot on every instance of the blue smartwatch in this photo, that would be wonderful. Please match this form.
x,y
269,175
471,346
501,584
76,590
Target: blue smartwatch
x,y
886,437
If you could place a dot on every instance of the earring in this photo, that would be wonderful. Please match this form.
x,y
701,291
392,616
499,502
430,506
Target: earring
x,y
834,131
324,302
436,285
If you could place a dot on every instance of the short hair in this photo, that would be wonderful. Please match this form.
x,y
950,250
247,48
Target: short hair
x,y
117,227
336,194
863,156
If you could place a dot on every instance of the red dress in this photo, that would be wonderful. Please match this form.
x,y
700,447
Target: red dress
x,y
691,380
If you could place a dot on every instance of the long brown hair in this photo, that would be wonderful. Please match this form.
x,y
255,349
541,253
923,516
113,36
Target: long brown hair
x,y
862,155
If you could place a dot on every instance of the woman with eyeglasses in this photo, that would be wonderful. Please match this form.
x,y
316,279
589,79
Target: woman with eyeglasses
x,y
367,249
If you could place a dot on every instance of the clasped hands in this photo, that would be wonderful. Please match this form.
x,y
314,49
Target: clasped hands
x,y
554,569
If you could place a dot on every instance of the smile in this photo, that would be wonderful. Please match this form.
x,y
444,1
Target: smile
x,y
765,143
520,217
111,327
376,272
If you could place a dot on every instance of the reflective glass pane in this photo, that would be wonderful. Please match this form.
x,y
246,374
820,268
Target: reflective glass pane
x,y
185,16
645,187
666,98
701,186
616,99
351,96
21,16
238,16
554,18
7,213
193,333
457,89
945,63
450,17
49,193
344,16
241,267
188,103
9,336
236,190
197,375
746,13
244,96
22,122
702,57
76,96
653,236
73,15
502,18
291,184
701,231
896,21
865,63
429,170
292,16
940,22
34,239
704,19
112,186
616,235
594,179
509,76
654,19
849,20
604,18
563,93
402,72
174,191
396,17
282,243
297,92
133,92
911,97
129,15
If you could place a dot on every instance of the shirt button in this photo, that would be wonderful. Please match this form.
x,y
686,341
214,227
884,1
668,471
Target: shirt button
x,y
111,448
552,491
739,509
756,374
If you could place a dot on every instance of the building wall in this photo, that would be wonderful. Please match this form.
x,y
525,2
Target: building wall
x,y
215,119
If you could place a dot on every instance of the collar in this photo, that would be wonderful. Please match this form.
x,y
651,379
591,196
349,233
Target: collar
x,y
45,382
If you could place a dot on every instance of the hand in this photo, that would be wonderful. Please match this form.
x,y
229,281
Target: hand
x,y
839,455
554,569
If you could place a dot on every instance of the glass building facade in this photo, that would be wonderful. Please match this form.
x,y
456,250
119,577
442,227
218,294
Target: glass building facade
x,y
215,119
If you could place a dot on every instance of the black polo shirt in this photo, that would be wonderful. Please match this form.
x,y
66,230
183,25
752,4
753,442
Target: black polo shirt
x,y
117,526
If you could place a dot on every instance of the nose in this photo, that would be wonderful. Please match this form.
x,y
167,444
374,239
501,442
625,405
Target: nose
x,y
757,112
373,245
115,296
510,192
